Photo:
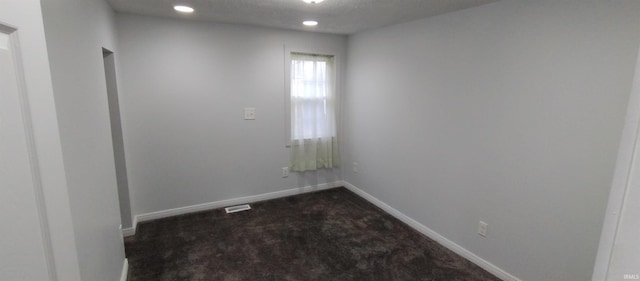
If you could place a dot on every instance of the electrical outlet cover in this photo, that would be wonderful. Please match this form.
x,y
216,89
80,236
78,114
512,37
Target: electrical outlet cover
x,y
249,113
482,228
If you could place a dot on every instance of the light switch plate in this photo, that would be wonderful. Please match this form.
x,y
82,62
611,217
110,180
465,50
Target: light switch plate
x,y
249,113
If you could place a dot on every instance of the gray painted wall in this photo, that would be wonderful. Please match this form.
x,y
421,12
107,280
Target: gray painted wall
x,y
509,113
185,85
76,31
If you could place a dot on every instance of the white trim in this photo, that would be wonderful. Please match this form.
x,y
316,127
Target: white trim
x,y
129,231
224,203
14,47
337,84
286,54
125,270
491,268
626,163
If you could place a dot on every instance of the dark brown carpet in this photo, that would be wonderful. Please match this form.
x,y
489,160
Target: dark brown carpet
x,y
326,235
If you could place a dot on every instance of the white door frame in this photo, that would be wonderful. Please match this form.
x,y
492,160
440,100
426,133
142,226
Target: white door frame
x,y
14,45
626,163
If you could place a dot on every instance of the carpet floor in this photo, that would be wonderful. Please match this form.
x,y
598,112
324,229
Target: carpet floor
x,y
326,235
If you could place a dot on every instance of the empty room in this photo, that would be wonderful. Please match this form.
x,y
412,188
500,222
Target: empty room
x,y
442,140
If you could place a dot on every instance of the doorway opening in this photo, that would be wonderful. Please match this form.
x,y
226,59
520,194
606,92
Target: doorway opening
x,y
116,135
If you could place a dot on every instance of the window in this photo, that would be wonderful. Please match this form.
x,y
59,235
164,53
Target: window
x,y
313,117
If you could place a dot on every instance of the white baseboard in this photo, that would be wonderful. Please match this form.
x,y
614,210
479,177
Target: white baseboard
x,y
125,270
130,231
491,268
224,203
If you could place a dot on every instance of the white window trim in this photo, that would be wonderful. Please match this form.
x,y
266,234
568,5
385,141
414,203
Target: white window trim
x,y
337,72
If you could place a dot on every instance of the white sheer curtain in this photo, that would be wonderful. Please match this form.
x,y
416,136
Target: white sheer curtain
x,y
314,143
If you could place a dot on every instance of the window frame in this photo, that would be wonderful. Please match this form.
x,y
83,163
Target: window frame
x,y
337,74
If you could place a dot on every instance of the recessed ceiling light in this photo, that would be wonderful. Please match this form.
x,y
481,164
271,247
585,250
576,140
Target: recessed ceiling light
x,y
310,23
313,1
183,9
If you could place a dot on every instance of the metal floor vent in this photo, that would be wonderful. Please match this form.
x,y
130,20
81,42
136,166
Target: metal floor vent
x,y
238,208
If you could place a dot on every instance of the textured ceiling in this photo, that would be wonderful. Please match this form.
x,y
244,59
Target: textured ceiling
x,y
334,16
